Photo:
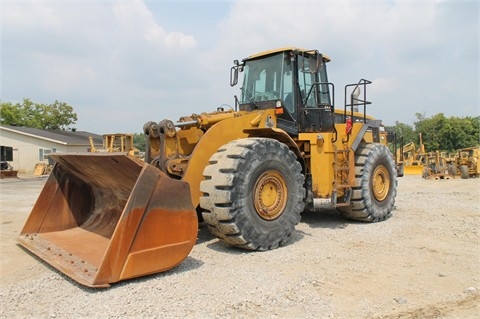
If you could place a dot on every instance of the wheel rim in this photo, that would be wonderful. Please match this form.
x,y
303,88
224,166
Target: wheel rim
x,y
381,183
270,195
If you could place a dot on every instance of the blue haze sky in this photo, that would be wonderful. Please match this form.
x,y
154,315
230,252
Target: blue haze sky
x,y
123,63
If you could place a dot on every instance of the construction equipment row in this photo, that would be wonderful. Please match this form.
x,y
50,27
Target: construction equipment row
x,y
414,160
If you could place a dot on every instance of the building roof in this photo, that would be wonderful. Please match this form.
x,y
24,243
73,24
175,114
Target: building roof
x,y
57,136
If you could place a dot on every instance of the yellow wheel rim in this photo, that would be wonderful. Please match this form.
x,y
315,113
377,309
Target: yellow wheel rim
x,y
380,183
270,195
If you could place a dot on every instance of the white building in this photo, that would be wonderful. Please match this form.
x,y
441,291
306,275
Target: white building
x,y
32,146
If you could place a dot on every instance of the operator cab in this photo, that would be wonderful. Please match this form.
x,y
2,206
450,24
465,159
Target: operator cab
x,y
294,82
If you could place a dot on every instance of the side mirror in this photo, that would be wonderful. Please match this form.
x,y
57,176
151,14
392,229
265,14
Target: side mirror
x,y
234,75
234,72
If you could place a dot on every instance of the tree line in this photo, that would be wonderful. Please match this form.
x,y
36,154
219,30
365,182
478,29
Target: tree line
x,y
55,116
438,132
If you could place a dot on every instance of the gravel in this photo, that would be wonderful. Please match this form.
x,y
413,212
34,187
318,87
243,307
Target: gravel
x,y
423,262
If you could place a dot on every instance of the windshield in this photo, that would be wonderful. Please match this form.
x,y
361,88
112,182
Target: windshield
x,y
268,79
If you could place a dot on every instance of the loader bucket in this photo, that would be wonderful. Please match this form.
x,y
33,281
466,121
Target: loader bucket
x,y
106,217
413,169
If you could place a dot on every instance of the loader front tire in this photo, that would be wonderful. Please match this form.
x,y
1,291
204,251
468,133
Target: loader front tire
x,y
373,197
464,171
253,193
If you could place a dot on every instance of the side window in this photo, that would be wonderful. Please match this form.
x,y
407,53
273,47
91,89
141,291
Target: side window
x,y
305,81
288,96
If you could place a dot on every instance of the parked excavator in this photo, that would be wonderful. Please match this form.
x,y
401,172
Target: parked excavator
x,y
247,172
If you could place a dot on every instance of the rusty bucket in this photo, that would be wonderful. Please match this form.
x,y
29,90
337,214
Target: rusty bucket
x,y
106,217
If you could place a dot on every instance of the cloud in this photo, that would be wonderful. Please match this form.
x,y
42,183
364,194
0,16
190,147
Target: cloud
x,y
410,50
385,85
122,63
137,20
103,58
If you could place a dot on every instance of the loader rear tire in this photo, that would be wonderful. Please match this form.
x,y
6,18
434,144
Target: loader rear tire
x,y
373,198
253,193
452,170
464,171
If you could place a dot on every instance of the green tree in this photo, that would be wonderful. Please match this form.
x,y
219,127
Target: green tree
x,y
55,116
448,134
472,128
429,128
139,141
404,131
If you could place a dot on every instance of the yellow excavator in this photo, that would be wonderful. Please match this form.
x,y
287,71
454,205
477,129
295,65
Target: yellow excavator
x,y
247,172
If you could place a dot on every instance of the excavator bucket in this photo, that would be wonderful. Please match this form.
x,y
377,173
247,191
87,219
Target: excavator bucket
x,y
106,217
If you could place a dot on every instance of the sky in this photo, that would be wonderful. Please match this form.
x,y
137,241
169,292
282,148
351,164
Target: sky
x,y
120,64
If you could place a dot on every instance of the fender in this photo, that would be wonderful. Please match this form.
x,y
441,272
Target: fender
x,y
216,136
281,136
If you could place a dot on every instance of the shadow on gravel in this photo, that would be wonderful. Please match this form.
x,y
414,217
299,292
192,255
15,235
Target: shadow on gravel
x,y
326,218
185,266
188,264
204,234
221,247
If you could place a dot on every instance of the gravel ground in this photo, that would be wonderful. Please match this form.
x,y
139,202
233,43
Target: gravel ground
x,y
423,262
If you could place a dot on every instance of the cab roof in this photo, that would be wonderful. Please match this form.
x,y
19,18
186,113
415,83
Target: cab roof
x,y
326,58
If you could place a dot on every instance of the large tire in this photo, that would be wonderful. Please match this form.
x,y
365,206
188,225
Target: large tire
x,y
426,172
452,169
464,171
373,198
253,193
400,170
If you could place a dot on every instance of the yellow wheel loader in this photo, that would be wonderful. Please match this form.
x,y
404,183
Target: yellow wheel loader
x,y
414,159
116,143
466,162
247,172
436,166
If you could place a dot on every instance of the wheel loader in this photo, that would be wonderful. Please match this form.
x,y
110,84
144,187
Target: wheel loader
x,y
436,166
116,143
414,159
465,162
247,172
